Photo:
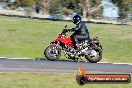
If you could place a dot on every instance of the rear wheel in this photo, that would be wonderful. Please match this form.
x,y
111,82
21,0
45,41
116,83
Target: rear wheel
x,y
95,55
52,53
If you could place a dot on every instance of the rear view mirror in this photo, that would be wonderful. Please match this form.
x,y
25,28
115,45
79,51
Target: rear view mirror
x,y
66,26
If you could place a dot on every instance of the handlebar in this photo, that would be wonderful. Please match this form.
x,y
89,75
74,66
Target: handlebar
x,y
65,30
68,30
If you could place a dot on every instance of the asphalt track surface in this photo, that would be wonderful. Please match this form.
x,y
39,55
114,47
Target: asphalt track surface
x,y
29,65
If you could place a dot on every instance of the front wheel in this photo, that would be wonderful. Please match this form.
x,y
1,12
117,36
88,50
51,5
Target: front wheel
x,y
51,53
94,55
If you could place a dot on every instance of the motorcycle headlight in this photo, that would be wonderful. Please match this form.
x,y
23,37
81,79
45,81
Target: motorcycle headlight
x,y
63,35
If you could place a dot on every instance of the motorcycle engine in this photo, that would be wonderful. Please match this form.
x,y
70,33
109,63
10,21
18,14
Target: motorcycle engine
x,y
83,49
83,45
70,52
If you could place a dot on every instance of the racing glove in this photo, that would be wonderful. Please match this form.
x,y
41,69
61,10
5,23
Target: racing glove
x,y
73,29
68,30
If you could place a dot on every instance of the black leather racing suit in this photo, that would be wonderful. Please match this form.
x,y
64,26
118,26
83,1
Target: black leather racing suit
x,y
81,33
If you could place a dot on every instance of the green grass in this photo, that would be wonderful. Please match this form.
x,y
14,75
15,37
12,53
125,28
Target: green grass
x,y
28,38
48,80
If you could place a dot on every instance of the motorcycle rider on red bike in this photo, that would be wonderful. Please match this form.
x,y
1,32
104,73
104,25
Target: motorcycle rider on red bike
x,y
76,46
80,31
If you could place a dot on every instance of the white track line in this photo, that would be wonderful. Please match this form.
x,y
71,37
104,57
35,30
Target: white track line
x,y
2,57
19,58
14,58
123,63
103,62
116,63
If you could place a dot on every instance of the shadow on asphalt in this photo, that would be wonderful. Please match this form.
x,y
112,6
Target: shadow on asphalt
x,y
44,59
68,60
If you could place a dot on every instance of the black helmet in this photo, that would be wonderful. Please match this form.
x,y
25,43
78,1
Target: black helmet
x,y
76,19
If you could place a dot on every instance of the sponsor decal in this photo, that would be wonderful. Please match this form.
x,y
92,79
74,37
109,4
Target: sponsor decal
x,y
83,78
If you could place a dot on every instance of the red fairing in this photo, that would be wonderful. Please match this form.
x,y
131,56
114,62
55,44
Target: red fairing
x,y
65,41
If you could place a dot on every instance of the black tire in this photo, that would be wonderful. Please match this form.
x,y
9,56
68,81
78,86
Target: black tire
x,y
97,59
46,53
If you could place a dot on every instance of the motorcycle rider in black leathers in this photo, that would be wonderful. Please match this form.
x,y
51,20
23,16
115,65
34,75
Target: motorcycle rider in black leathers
x,y
80,31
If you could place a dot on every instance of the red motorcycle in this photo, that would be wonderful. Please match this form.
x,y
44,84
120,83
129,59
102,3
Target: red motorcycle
x,y
92,50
